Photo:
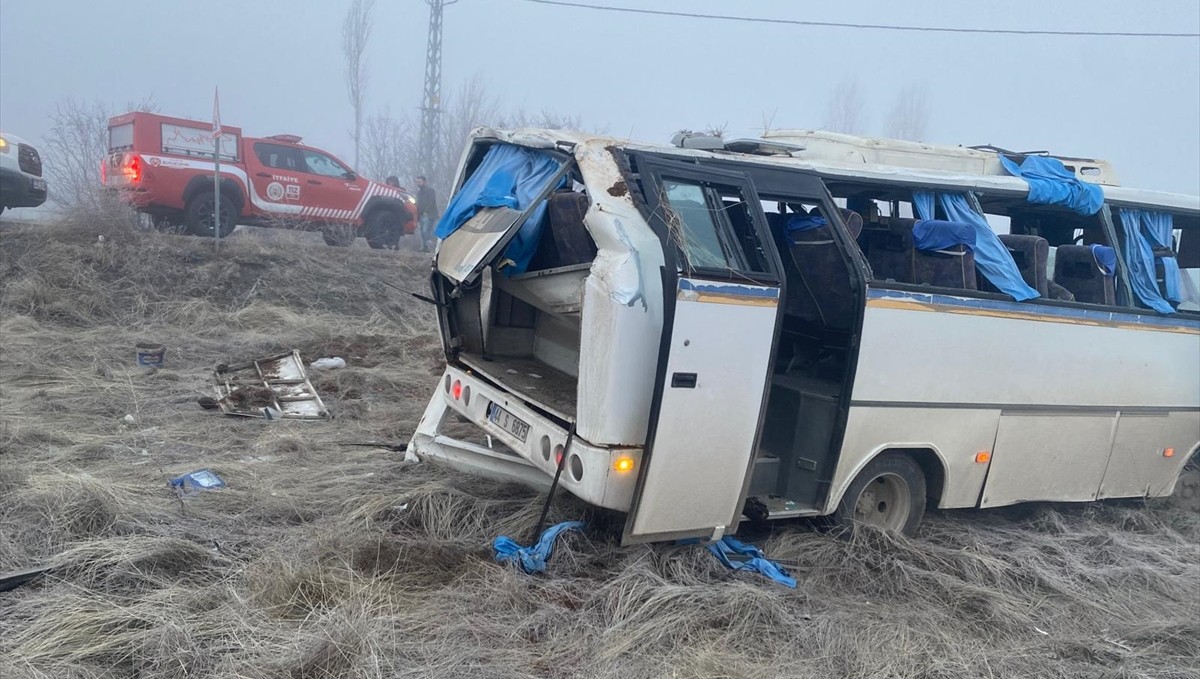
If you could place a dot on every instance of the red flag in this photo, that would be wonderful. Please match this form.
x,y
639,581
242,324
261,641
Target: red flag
x,y
216,114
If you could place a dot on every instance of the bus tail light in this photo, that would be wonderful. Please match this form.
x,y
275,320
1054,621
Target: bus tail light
x,y
456,390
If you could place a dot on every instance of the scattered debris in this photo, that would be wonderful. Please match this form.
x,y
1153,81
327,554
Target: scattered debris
x,y
194,482
739,556
129,419
329,363
10,581
272,388
532,559
394,447
150,354
208,403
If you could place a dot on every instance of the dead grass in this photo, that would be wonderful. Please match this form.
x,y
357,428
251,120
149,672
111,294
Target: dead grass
x,y
322,560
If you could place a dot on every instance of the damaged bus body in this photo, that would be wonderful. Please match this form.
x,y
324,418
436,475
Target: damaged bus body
x,y
811,324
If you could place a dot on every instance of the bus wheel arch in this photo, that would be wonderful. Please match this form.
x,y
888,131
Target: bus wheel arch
x,y
1186,495
891,490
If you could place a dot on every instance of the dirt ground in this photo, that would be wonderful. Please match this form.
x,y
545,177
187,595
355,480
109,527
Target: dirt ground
x,y
325,560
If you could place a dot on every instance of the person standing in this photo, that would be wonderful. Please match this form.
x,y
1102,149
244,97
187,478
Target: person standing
x,y
427,213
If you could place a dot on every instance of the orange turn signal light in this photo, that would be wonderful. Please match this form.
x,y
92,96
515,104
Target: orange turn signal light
x,y
983,457
1168,452
623,464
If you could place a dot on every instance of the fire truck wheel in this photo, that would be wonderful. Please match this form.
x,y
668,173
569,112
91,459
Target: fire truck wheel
x,y
338,235
382,229
199,215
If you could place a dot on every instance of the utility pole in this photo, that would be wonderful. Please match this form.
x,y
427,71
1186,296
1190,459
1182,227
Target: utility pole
x,y
431,102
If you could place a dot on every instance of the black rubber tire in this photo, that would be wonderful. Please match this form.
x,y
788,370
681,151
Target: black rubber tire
x,y
382,229
199,211
889,468
339,235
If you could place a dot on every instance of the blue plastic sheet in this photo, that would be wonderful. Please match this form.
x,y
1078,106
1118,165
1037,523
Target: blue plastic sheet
x,y
1141,233
992,259
938,234
1106,259
749,558
509,176
1050,183
533,558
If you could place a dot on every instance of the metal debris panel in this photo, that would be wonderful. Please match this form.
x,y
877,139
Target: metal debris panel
x,y
276,383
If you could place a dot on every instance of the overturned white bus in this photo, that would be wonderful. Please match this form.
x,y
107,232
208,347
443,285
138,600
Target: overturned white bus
x,y
812,324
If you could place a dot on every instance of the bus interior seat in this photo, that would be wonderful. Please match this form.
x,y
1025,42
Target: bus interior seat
x,y
1029,253
1077,269
566,241
800,300
894,256
819,261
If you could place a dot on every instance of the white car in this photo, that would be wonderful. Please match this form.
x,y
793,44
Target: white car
x,y
21,183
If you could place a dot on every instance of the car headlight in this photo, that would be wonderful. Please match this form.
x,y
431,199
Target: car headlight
x,y
3,145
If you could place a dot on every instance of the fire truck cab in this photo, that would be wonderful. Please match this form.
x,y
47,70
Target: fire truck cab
x,y
164,167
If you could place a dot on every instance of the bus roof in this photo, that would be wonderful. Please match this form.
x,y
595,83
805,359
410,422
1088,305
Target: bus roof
x,y
933,177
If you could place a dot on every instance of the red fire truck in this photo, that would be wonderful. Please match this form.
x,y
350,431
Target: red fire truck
x,y
163,166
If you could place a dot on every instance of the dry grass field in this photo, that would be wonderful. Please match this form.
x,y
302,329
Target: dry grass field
x,y
324,560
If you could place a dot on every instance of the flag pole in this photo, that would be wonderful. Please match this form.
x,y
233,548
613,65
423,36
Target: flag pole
x,y
216,171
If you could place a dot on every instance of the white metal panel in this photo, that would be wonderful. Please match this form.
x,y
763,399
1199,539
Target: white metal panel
x,y
1050,456
704,438
955,435
916,355
1137,467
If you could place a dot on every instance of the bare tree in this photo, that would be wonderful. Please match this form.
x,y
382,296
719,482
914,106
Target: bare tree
x,y
356,32
75,146
909,115
387,146
844,112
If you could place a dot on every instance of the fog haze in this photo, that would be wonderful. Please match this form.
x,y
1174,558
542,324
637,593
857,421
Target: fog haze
x,y
279,66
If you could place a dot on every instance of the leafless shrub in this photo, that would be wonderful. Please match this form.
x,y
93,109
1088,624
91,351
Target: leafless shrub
x,y
844,110
356,33
909,115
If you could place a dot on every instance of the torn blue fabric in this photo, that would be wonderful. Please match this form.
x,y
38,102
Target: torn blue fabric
x,y
508,176
938,234
749,558
533,558
1139,257
992,259
1106,259
1051,183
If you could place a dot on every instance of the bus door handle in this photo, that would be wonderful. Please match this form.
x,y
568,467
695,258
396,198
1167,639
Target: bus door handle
x,y
313,181
263,174
683,380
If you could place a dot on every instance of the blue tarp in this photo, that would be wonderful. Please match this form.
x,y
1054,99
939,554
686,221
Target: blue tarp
x,y
509,176
1050,183
1144,230
533,558
992,259
749,558
938,234
1106,259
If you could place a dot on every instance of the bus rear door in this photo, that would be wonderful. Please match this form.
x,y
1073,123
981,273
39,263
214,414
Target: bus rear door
x,y
722,289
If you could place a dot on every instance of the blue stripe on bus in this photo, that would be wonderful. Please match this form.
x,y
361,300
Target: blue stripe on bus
x,y
1035,309
729,289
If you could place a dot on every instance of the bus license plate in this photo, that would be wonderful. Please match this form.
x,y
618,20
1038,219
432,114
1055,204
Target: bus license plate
x,y
508,422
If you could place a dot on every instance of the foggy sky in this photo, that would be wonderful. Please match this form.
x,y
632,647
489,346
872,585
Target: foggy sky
x,y
1132,101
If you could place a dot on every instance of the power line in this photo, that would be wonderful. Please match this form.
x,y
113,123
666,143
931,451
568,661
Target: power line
x,y
878,27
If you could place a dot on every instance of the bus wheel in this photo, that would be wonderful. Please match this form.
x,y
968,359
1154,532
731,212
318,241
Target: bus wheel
x,y
200,211
338,235
1187,487
889,493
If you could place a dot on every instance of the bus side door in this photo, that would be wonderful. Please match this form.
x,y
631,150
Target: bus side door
x,y
722,292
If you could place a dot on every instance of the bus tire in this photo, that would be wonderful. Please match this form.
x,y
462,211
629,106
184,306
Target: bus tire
x,y
382,229
339,235
1187,487
889,493
198,215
